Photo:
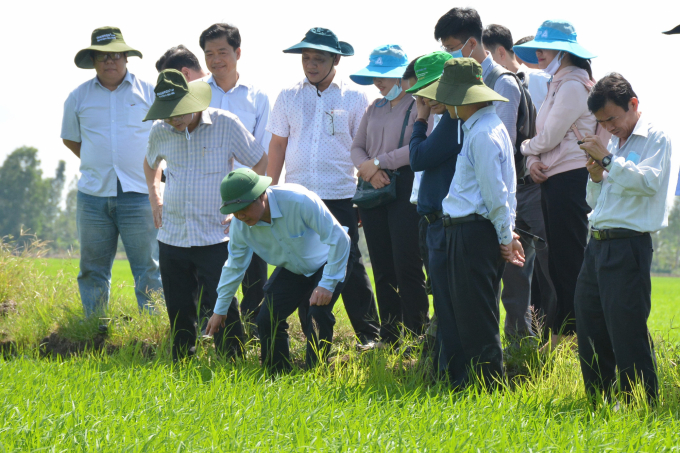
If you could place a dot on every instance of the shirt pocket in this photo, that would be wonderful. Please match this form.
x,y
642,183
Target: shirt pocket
x,y
336,122
215,160
135,111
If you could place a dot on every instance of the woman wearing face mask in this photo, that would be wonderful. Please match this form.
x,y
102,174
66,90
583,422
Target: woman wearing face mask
x,y
391,229
556,161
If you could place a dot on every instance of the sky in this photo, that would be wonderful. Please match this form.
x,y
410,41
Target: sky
x,y
41,39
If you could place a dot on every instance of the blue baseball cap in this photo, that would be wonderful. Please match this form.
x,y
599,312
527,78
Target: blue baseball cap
x,y
555,35
388,61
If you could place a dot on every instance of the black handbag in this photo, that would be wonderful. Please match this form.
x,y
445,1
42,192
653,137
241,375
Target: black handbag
x,y
367,196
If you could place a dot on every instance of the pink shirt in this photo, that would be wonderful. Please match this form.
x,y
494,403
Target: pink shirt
x,y
555,142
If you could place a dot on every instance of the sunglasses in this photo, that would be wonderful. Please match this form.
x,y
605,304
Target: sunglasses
x,y
101,57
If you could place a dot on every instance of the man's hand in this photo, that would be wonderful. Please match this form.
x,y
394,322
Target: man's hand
x,y
157,210
513,252
215,323
595,170
320,296
227,222
367,169
423,108
594,147
537,174
380,180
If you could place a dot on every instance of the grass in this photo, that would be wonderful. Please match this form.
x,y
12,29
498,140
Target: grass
x,y
130,397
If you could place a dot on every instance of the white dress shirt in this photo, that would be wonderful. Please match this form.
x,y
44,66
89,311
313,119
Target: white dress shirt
x,y
302,236
635,193
196,167
113,138
320,131
484,182
248,103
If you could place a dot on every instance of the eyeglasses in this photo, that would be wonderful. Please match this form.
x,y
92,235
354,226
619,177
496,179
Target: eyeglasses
x,y
101,57
176,119
332,124
237,201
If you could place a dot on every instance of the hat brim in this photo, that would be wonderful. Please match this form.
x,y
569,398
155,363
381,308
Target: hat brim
x,y
257,190
84,61
527,51
196,100
422,83
675,31
346,50
365,76
459,94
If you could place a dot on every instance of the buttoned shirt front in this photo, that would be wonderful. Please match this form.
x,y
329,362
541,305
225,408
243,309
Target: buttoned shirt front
x,y
635,193
249,104
195,169
484,182
302,236
113,137
320,131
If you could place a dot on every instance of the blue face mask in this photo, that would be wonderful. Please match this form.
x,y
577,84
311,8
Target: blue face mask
x,y
459,53
394,92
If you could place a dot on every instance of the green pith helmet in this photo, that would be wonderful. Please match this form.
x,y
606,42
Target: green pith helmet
x,y
104,39
429,68
175,96
461,84
240,188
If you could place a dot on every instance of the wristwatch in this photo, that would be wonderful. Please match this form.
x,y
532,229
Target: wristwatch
x,y
376,162
606,160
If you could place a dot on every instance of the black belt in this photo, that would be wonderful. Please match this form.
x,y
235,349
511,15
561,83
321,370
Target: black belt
x,y
614,233
449,221
525,181
431,218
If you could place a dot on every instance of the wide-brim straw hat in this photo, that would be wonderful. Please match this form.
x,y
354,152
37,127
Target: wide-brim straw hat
x,y
429,68
175,96
460,84
104,39
240,188
322,39
554,35
389,62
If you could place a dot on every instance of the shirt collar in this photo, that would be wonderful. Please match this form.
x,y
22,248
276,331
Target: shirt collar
x,y
641,127
274,210
205,118
127,78
336,81
470,123
488,63
212,82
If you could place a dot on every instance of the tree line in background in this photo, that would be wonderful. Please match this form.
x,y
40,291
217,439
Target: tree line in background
x,y
33,204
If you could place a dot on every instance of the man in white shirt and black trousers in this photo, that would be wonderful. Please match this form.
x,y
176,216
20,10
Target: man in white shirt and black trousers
x,y
313,124
628,190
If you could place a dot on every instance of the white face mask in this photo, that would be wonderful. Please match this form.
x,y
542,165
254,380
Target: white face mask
x,y
554,64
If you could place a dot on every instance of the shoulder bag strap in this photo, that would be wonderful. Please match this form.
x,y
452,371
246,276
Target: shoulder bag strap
x,y
403,127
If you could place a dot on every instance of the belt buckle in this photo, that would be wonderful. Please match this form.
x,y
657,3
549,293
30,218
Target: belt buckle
x,y
600,235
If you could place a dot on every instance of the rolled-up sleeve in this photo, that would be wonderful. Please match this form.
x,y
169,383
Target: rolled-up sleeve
x,y
70,123
233,271
317,217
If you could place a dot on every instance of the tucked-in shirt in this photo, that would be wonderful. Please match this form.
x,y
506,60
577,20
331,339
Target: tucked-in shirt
x,y
537,82
113,138
507,87
195,169
380,131
320,132
484,182
248,103
435,155
302,236
635,193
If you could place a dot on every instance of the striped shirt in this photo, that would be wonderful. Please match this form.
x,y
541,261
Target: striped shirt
x,y
195,169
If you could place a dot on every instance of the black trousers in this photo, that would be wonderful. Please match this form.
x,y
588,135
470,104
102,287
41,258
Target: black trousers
x,y
190,276
565,211
286,292
357,292
613,301
392,238
424,252
469,319
252,288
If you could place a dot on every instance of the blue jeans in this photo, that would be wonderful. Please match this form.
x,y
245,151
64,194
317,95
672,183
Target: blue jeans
x,y
100,221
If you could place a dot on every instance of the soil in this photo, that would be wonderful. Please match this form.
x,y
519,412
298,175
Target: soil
x,y
55,345
7,306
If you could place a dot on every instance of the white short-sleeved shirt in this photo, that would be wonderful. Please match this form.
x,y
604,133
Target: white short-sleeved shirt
x,y
320,131
250,104
113,138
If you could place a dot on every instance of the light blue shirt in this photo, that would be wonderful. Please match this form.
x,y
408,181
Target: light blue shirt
x,y
109,126
249,104
635,193
507,87
196,167
302,236
485,182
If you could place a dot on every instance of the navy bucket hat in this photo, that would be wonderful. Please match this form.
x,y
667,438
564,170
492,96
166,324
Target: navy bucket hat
x,y
322,39
555,35
388,61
